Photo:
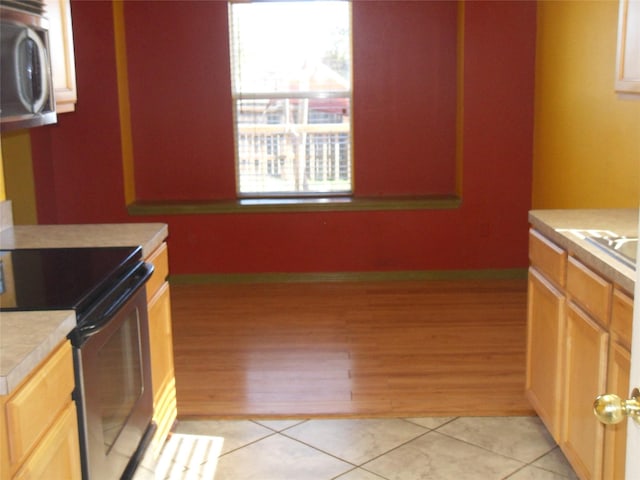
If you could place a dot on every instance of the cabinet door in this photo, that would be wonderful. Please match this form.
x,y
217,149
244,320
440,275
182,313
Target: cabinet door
x,y
35,405
585,373
628,58
615,437
162,373
58,454
161,339
545,332
62,55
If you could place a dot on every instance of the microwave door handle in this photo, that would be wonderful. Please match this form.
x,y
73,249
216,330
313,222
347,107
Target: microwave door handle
x,y
34,105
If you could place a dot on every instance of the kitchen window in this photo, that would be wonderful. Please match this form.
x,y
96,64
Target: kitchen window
x,y
291,86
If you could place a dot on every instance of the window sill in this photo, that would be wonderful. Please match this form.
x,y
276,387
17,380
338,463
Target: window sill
x,y
283,205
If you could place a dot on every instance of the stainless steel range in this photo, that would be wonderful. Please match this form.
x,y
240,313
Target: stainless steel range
x,y
110,342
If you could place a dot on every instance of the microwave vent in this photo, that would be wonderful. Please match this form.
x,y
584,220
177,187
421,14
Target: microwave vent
x,y
35,7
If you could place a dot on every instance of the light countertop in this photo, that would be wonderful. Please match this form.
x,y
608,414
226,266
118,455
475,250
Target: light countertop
x,y
26,338
568,228
147,235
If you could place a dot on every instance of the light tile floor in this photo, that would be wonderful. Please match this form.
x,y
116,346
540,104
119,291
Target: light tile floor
x,y
482,448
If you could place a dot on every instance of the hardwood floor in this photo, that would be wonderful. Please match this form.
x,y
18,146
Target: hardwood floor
x,y
372,349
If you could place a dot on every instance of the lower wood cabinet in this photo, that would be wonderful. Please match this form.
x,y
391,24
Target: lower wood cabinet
x,y
585,370
545,349
615,436
163,376
161,342
58,454
38,423
578,344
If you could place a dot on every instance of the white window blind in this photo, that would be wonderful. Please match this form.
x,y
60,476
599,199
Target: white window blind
x,y
291,79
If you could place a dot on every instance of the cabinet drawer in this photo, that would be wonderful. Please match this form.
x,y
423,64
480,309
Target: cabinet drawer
x,y
622,317
590,290
32,409
160,261
547,257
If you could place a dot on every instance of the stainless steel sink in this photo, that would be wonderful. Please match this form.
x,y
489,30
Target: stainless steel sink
x,y
623,249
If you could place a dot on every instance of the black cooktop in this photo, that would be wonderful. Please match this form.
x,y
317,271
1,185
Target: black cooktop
x,y
61,278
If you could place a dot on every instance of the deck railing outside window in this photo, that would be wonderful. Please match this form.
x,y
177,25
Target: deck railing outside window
x,y
282,157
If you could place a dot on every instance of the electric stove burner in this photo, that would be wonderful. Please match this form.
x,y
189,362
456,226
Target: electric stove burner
x,y
61,278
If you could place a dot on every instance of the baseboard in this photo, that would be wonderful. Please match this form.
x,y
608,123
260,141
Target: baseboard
x,y
316,277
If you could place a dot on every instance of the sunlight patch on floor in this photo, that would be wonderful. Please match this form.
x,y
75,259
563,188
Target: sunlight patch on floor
x,y
189,456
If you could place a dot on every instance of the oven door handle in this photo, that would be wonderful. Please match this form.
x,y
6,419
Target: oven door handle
x,y
127,288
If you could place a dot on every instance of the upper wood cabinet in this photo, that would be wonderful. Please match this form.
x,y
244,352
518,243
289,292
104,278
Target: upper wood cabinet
x,y
628,57
62,57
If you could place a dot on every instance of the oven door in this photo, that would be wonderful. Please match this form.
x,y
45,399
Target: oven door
x,y
115,401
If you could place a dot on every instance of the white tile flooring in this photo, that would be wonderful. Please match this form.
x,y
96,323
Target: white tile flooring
x,y
482,448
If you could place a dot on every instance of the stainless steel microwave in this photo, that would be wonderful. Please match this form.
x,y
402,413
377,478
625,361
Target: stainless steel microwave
x,y
26,85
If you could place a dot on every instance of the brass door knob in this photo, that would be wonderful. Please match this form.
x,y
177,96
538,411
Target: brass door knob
x,y
611,409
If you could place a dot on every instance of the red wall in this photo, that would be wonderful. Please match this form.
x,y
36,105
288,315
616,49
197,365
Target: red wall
x,y
178,148
77,162
404,96
404,100
180,91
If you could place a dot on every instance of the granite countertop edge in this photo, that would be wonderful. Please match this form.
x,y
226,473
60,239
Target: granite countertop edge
x,y
22,349
567,228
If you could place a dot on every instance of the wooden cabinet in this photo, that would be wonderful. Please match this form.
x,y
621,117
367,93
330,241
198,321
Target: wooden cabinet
x,y
582,434
161,341
615,436
38,423
628,50
579,336
549,259
582,437
62,54
589,290
58,454
621,318
545,349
